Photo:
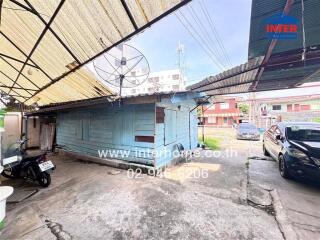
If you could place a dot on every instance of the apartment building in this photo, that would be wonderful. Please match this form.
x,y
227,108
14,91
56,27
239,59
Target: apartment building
x,y
163,81
296,108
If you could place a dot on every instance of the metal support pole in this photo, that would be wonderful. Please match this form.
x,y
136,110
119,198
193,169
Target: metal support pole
x,y
202,124
120,91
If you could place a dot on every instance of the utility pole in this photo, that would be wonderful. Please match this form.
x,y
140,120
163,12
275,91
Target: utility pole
x,y
180,51
252,107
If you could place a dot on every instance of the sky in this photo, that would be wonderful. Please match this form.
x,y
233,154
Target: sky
x,y
231,19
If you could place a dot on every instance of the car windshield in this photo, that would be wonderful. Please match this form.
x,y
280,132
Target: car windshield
x,y
305,133
247,126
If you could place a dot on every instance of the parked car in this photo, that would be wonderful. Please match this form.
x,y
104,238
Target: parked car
x,y
296,146
248,131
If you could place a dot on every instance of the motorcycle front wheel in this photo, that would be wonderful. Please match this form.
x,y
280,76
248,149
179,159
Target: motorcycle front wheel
x,y
44,179
7,173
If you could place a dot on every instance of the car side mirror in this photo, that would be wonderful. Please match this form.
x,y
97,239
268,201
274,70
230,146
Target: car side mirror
x,y
279,138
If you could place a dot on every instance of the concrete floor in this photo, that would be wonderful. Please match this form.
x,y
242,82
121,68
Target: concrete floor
x,y
91,201
296,202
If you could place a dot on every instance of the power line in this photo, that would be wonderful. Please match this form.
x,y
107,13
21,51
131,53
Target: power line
x,y
214,30
203,41
197,40
216,50
200,41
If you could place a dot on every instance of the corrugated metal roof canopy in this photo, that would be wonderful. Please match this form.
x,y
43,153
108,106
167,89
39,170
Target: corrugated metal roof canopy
x,y
263,9
235,80
281,64
283,70
43,42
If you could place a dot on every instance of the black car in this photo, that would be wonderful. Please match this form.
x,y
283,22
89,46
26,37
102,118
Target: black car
x,y
247,131
296,146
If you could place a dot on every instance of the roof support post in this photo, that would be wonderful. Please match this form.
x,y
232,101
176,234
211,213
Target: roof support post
x,y
39,40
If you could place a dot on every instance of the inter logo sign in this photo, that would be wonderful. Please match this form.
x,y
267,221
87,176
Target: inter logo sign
x,y
281,27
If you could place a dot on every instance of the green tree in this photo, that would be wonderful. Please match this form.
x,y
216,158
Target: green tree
x,y
317,119
244,108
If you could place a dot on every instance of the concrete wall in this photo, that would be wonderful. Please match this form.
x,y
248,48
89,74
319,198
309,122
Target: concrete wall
x,y
12,125
220,121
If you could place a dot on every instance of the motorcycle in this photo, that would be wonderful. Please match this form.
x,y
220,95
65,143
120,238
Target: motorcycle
x,y
35,168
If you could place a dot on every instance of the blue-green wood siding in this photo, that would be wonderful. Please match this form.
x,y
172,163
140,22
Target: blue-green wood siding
x,y
114,129
170,126
180,134
109,129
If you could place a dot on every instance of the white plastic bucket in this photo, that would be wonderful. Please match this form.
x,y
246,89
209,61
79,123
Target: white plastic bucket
x,y
5,192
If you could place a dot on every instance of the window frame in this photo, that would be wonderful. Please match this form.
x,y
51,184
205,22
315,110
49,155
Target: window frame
x,y
277,106
224,105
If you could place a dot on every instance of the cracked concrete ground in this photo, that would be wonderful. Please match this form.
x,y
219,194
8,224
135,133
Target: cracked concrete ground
x,y
297,206
90,201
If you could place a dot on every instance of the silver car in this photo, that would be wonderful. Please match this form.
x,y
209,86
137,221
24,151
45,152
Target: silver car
x,y
248,131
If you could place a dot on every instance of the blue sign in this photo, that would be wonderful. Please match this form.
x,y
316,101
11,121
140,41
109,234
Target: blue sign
x,y
282,26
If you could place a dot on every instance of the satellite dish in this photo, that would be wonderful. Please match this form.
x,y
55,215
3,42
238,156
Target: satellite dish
x,y
123,66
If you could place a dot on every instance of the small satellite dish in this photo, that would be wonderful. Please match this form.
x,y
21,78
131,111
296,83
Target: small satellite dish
x,y
123,66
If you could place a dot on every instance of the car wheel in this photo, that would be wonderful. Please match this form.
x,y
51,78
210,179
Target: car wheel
x,y
265,151
284,172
